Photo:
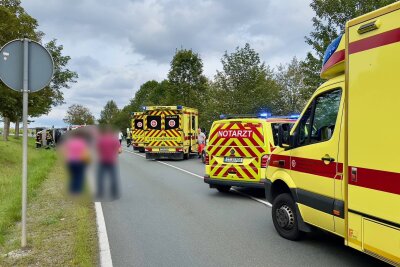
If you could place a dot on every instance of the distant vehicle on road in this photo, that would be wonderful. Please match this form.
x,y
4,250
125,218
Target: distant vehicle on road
x,y
137,131
170,132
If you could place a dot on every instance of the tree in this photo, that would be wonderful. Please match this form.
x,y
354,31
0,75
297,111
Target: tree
x,y
78,115
151,93
109,112
293,94
123,118
187,82
329,22
16,23
245,85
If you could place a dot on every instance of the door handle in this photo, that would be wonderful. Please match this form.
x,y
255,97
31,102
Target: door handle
x,y
327,158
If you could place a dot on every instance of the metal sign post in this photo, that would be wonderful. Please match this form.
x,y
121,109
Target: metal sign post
x,y
28,67
25,142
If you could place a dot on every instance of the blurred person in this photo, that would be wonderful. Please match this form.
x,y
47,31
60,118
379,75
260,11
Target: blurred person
x,y
108,148
201,140
120,136
77,155
38,141
128,137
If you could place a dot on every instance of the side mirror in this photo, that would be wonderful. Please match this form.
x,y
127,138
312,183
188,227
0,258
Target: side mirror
x,y
284,137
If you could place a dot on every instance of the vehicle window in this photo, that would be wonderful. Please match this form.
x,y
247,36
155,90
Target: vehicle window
x,y
325,114
286,131
194,123
139,124
304,127
319,119
171,122
154,122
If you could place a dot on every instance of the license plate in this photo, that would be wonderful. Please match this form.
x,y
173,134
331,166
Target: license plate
x,y
164,149
233,160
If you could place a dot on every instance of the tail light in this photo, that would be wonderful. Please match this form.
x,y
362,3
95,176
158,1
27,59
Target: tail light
x,y
264,161
179,149
148,149
207,159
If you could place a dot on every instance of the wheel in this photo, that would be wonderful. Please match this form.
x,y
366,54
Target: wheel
x,y
185,155
284,217
223,188
203,157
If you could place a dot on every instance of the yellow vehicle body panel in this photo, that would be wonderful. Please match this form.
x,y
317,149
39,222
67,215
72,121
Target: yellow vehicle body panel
x,y
374,171
358,197
137,130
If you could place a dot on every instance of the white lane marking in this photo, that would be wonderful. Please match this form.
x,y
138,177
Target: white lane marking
x,y
201,177
104,245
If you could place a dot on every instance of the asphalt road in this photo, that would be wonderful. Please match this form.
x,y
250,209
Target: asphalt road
x,y
168,217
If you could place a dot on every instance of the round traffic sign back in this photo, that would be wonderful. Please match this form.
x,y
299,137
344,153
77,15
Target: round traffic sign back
x,y
40,65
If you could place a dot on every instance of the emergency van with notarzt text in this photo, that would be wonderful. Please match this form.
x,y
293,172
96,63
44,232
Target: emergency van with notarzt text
x,y
238,149
137,131
170,132
339,169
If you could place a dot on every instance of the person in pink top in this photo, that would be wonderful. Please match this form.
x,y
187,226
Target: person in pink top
x,y
108,148
77,153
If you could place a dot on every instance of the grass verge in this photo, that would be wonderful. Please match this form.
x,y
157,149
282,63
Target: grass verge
x,y
39,162
61,230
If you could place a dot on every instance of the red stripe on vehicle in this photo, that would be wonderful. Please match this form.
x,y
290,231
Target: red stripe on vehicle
x,y
219,128
334,59
239,150
218,170
377,180
304,165
249,175
382,39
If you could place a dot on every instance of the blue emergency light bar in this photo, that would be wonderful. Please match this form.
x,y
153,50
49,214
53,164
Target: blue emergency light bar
x,y
238,116
264,115
331,49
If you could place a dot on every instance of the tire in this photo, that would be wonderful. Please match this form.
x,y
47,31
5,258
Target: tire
x,y
223,188
185,155
284,216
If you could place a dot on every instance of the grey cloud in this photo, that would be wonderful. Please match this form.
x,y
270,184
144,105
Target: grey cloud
x,y
116,46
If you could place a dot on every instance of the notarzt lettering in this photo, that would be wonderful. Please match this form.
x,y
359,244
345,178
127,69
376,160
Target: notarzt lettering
x,y
236,133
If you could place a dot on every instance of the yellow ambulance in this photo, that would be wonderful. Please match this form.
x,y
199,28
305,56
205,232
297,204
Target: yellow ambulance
x,y
339,170
137,131
170,132
238,150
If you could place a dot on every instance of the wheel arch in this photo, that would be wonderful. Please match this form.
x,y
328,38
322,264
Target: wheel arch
x,y
283,183
280,182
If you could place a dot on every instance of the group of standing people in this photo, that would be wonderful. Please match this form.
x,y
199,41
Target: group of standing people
x,y
84,145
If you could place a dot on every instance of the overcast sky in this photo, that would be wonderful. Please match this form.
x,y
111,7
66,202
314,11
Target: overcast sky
x,y
115,46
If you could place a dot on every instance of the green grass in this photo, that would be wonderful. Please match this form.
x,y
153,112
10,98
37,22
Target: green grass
x,y
61,230
39,164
